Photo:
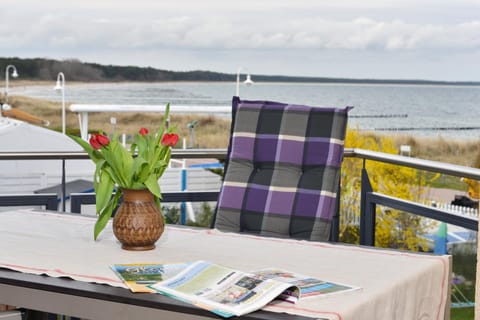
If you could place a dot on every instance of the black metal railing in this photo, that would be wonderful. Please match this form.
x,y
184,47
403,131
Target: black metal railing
x,y
370,199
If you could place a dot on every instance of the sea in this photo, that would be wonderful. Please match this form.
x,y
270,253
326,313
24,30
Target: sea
x,y
450,111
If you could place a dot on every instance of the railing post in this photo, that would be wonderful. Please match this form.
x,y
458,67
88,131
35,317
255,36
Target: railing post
x,y
334,231
63,186
183,207
367,212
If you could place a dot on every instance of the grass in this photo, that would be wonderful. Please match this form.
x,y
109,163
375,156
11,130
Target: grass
x,y
465,152
446,182
210,132
462,314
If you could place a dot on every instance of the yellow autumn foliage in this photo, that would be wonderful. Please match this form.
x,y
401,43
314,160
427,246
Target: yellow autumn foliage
x,y
394,228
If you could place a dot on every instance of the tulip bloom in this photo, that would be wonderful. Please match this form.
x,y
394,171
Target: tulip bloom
x,y
99,140
143,131
170,139
103,140
94,143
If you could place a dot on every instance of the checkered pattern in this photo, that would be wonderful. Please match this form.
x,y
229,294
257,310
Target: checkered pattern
x,y
283,169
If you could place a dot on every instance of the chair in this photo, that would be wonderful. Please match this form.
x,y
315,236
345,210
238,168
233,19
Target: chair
x,y
283,170
48,200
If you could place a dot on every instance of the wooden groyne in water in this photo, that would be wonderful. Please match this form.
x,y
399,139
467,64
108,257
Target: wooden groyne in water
x,y
379,116
425,128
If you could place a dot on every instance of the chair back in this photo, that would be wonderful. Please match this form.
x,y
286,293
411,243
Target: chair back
x,y
283,169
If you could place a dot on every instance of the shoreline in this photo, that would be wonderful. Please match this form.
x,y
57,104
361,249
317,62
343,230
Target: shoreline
x,y
13,83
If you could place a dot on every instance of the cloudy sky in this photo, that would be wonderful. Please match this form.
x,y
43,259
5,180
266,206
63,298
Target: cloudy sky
x,y
379,39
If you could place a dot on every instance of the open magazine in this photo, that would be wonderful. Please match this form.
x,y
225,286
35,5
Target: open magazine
x,y
228,292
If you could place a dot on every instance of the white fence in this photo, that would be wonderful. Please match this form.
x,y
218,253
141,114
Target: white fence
x,y
466,211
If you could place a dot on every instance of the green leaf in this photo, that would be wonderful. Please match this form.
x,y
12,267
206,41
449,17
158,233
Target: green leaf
x,y
152,185
95,155
164,125
163,164
102,222
85,145
133,146
142,145
103,190
120,162
105,215
141,168
97,174
157,202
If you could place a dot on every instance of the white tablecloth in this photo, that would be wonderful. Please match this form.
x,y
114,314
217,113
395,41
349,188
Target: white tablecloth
x,y
395,285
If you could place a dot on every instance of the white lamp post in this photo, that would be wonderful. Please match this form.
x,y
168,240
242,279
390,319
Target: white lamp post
x,y
248,82
14,74
61,86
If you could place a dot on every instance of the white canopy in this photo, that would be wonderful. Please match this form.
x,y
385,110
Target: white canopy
x,y
16,136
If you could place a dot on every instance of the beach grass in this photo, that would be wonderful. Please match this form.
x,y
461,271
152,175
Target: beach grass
x,y
210,131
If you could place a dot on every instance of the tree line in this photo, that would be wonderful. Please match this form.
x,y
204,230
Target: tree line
x,y
47,69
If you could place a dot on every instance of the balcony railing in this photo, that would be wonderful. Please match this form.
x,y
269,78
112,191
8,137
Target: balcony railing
x,y
369,198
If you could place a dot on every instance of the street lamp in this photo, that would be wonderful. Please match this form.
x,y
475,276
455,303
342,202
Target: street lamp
x,y
14,74
61,86
248,82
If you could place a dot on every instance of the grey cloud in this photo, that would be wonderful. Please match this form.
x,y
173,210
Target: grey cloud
x,y
302,24
321,34
218,34
188,32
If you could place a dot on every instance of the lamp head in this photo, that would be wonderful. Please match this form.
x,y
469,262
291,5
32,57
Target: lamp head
x,y
15,73
192,124
58,86
249,81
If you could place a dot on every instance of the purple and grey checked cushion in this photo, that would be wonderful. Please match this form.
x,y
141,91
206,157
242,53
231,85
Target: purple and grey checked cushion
x,y
283,168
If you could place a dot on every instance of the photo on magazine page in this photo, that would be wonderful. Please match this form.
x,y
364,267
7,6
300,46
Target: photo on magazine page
x,y
309,286
138,276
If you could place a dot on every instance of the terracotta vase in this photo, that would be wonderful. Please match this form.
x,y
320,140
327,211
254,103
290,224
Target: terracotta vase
x,y
138,223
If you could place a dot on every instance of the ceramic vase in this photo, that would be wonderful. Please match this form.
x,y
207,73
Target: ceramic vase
x,y
138,223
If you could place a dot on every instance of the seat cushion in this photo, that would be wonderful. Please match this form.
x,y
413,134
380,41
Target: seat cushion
x,y
283,168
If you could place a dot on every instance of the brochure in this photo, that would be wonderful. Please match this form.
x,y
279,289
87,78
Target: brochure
x,y
222,290
139,276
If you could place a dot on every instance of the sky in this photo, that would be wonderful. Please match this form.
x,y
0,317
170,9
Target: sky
x,y
362,39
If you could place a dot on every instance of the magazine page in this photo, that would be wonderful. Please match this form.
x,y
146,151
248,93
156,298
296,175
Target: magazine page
x,y
139,276
309,287
224,291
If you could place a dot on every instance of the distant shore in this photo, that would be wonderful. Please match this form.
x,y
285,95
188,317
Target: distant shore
x,y
18,83
46,69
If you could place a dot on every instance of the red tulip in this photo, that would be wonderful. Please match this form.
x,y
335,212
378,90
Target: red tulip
x,y
103,140
143,131
99,140
170,139
94,143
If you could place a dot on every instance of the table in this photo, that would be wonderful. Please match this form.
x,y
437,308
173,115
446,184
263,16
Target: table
x,y
77,280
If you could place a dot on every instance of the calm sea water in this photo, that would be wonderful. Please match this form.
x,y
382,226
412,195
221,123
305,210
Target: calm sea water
x,y
449,111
